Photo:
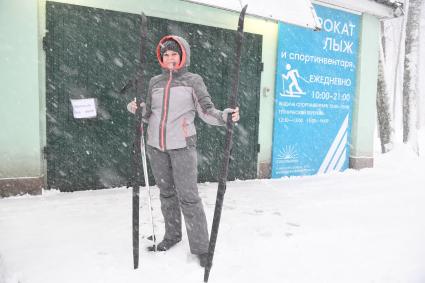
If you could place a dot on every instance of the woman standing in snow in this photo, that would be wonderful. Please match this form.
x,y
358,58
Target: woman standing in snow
x,y
172,100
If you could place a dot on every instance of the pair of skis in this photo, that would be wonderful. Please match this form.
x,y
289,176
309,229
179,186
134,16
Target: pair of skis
x,y
139,151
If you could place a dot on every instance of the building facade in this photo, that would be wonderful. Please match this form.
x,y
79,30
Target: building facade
x,y
27,70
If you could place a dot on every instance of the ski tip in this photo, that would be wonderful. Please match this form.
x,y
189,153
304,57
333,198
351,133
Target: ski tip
x,y
242,18
244,9
144,24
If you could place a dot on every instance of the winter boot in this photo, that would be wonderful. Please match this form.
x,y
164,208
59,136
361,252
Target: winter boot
x,y
203,259
164,245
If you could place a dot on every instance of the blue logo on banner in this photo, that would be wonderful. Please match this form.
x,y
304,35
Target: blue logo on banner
x,y
315,87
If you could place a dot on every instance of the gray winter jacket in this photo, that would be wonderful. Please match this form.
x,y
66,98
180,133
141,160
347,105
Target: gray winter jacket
x,y
173,99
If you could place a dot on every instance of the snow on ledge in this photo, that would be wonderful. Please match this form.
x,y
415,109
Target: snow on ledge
x,y
362,6
300,12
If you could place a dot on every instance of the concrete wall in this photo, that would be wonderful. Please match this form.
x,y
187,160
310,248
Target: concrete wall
x,y
364,111
20,134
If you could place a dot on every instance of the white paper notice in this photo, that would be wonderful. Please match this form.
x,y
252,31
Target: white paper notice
x,y
84,108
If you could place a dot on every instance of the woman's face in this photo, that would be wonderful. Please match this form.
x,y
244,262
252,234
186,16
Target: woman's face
x,y
171,59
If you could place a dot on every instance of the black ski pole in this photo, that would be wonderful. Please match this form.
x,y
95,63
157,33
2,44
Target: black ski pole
x,y
229,134
136,152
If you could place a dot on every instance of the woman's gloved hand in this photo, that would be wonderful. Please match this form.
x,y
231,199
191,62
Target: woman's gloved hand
x,y
132,106
235,114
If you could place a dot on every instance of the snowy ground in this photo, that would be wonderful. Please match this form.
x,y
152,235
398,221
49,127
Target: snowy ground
x,y
356,226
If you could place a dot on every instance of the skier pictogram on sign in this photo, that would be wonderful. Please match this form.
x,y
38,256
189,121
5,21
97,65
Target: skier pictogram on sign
x,y
290,85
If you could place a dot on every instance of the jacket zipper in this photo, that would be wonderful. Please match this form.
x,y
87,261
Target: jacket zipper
x,y
165,112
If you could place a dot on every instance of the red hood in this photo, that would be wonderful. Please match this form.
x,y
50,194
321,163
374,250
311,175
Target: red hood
x,y
181,42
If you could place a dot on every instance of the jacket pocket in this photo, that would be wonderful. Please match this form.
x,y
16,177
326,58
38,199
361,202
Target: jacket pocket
x,y
191,141
184,128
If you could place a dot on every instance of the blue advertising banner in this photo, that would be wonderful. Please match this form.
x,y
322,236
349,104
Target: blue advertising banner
x,y
315,88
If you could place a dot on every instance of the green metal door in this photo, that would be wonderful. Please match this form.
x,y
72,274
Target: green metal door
x,y
92,53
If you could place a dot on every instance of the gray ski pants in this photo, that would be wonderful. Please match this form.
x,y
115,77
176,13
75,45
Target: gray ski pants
x,y
176,175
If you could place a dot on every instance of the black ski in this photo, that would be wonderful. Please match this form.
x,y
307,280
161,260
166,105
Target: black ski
x,y
139,82
229,135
